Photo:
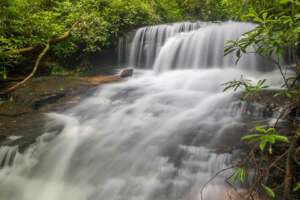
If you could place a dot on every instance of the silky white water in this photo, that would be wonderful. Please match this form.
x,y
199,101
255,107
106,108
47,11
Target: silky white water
x,y
151,137
142,49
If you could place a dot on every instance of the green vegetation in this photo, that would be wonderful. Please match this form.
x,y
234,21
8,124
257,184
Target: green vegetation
x,y
264,137
251,90
31,23
278,30
77,29
94,25
73,30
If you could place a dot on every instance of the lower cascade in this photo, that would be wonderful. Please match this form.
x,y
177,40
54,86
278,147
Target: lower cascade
x,y
152,137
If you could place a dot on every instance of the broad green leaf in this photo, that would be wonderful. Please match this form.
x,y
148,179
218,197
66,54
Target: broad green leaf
x,y
271,130
251,137
281,138
268,191
260,129
262,145
269,138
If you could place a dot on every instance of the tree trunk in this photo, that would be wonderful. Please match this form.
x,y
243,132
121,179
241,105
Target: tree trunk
x,y
298,70
294,141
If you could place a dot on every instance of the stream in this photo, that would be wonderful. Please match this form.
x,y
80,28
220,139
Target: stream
x,y
152,137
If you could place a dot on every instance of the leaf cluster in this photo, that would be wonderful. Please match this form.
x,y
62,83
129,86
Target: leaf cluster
x,y
28,23
264,137
246,84
278,29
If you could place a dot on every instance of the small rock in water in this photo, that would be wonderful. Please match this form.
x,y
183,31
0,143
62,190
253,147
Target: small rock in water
x,y
126,73
14,137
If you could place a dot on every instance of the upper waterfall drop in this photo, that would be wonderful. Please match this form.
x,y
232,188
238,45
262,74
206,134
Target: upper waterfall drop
x,y
190,46
141,49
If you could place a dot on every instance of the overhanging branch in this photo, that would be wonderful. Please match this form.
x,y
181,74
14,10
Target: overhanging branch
x,y
51,41
56,40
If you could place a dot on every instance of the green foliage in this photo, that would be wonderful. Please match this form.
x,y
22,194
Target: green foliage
x,y
238,9
7,58
29,23
168,10
3,73
288,93
26,23
278,29
265,136
250,88
296,187
57,70
240,175
205,10
268,191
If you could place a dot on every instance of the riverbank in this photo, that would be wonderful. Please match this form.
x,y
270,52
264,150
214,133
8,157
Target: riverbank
x,y
22,115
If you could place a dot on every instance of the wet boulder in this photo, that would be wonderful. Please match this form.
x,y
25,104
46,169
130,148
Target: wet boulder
x,y
126,73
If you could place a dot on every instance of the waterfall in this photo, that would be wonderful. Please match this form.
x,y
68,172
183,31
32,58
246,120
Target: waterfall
x,y
147,42
187,45
156,136
204,48
7,155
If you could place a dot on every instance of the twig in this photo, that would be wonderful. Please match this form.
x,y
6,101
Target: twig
x,y
288,168
277,64
212,178
277,159
232,186
297,152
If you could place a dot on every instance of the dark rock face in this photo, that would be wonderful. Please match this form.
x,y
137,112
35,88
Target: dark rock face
x,y
29,126
52,98
126,73
23,114
107,57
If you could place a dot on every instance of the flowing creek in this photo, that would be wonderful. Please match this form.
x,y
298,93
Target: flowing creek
x,y
151,137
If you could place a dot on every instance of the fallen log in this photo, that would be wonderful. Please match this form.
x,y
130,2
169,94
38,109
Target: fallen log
x,y
96,80
99,79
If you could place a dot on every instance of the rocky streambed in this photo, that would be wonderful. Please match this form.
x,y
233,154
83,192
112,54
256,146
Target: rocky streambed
x,y
22,115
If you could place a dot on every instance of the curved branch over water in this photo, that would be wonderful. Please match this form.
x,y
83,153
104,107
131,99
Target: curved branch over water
x,y
37,63
56,40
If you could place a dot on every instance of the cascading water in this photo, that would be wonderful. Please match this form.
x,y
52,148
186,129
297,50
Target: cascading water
x,y
141,50
195,50
149,138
